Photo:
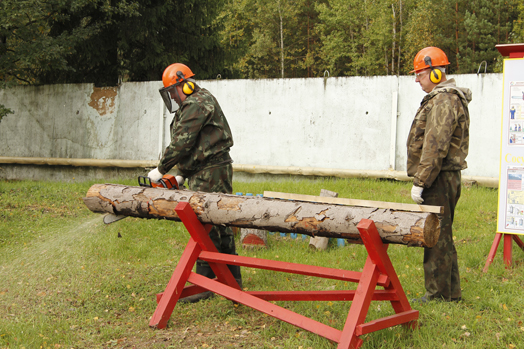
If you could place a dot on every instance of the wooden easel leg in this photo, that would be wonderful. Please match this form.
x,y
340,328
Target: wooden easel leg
x,y
508,250
493,251
518,241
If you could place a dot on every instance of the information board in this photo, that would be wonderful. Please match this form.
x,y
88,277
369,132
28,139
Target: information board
x,y
510,216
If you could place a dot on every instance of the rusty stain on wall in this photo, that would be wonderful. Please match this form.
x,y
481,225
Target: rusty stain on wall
x,y
103,100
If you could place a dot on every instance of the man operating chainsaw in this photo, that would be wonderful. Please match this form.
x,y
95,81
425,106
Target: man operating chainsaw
x,y
200,144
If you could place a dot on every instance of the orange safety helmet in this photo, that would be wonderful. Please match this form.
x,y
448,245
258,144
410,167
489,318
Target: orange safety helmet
x,y
176,73
437,59
173,76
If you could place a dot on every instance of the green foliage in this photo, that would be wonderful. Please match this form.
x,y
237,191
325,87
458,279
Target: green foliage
x,y
4,111
270,39
27,48
103,42
517,35
108,41
369,37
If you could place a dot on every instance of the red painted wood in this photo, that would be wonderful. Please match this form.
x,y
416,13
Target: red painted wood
x,y
252,239
518,241
378,254
360,306
388,321
309,270
508,249
266,307
200,235
508,244
492,251
175,286
511,50
516,55
378,271
342,295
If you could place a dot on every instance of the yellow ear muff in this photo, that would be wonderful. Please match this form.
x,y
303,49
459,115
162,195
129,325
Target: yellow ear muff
x,y
188,88
435,76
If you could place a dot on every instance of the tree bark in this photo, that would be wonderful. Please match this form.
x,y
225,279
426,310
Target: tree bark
x,y
320,242
287,216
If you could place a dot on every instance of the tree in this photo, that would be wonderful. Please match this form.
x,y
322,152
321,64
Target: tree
x,y
466,30
104,41
363,37
517,36
27,48
270,38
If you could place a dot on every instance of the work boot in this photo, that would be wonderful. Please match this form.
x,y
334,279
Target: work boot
x,y
203,269
235,270
196,297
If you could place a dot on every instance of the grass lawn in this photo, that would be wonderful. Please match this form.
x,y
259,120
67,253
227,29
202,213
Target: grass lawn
x,y
69,281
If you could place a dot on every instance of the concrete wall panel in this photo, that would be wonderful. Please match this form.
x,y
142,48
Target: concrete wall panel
x,y
334,122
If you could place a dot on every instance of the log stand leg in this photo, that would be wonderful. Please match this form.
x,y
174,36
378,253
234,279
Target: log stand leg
x,y
175,289
378,271
508,247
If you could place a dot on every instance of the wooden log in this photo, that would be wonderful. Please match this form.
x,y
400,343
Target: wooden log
x,y
355,202
320,242
310,218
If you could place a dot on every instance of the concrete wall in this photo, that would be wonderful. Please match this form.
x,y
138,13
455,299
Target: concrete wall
x,y
347,123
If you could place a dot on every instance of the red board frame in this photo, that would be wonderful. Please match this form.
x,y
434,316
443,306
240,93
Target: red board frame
x,y
378,271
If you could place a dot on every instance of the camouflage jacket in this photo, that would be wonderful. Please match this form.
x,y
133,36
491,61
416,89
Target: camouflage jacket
x,y
200,135
439,135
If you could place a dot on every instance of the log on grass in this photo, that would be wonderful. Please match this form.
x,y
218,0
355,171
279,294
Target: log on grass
x,y
287,216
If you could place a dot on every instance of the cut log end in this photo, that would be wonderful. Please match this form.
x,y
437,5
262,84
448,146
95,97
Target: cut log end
x,y
431,230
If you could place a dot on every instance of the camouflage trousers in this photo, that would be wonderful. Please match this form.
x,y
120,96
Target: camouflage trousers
x,y
441,273
215,180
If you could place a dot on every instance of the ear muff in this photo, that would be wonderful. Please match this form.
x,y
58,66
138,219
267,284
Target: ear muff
x,y
435,75
188,88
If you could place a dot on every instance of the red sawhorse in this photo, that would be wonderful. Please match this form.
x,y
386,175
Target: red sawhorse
x,y
378,271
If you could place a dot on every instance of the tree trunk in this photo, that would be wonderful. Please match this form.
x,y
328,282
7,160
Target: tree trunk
x,y
287,216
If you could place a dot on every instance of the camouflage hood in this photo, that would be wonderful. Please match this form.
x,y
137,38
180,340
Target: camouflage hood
x,y
451,87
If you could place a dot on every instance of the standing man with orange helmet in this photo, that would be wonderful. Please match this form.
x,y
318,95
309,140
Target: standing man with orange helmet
x,y
200,144
437,147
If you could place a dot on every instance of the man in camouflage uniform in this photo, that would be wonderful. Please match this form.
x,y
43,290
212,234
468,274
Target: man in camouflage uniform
x,y
200,144
437,147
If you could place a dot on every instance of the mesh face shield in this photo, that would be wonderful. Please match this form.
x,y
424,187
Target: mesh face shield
x,y
165,92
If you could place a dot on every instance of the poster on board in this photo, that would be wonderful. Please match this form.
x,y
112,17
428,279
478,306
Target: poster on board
x,y
510,216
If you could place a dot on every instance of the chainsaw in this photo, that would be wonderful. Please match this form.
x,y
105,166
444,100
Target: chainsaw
x,y
167,182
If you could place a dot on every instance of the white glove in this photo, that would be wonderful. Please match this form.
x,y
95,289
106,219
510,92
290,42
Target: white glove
x,y
416,194
155,175
180,180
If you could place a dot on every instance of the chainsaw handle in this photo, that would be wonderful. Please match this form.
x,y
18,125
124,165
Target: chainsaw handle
x,y
168,182
144,181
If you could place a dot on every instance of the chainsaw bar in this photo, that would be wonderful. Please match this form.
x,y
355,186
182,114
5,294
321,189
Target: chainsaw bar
x,y
111,218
